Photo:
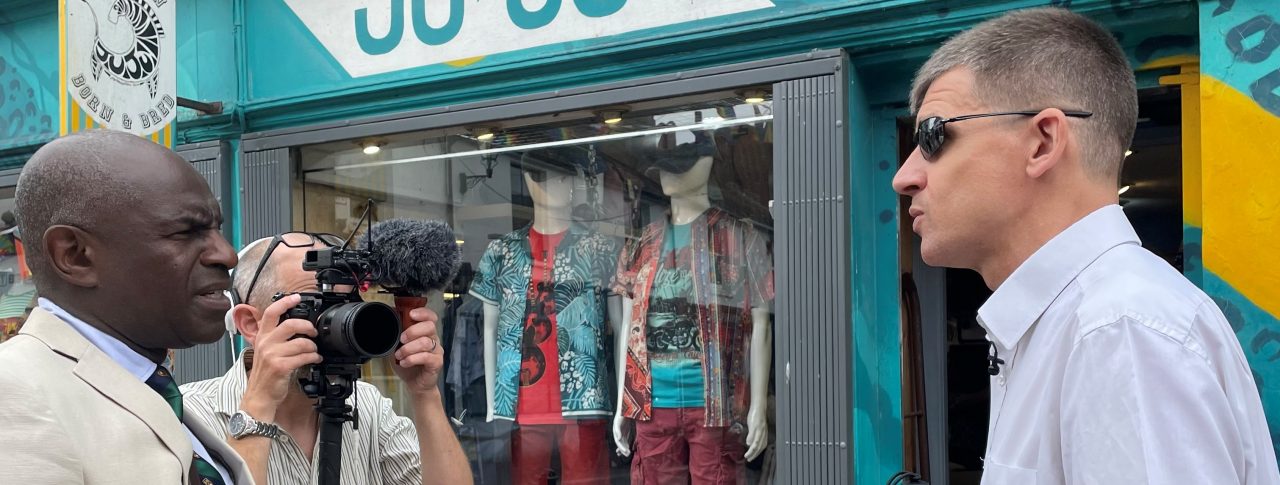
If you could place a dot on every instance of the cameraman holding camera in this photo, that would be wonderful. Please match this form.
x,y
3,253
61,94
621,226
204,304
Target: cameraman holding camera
x,y
274,425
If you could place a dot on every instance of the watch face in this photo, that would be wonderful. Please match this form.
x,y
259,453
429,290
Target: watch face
x,y
237,424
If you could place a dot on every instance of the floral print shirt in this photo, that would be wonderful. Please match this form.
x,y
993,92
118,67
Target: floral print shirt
x,y
583,266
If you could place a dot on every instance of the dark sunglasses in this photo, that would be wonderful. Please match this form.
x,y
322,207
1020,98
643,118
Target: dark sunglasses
x,y
932,132
295,239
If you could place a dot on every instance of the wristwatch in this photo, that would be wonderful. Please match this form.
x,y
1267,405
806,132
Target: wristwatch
x,y
242,424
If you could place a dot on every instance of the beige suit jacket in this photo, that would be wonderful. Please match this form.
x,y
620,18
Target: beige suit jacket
x,y
71,415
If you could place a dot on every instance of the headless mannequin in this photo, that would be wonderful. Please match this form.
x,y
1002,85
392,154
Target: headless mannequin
x,y
552,214
688,193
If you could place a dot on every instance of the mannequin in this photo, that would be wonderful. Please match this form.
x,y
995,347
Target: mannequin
x,y
689,206
524,281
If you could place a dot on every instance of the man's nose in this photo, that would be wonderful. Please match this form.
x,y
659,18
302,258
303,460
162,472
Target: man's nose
x,y
221,254
910,178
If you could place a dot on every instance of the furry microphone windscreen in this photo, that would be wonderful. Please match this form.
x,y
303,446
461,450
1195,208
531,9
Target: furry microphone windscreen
x,y
415,256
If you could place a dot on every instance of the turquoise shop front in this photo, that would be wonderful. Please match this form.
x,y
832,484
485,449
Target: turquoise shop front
x,y
465,111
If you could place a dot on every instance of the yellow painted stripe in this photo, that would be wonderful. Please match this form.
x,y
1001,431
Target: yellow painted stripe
x,y
1170,61
88,121
1241,217
464,62
75,118
62,67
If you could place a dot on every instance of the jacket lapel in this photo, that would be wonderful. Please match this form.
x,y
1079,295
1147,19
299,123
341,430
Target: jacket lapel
x,y
97,370
217,446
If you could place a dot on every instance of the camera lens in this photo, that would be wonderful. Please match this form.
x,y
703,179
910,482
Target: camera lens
x,y
363,329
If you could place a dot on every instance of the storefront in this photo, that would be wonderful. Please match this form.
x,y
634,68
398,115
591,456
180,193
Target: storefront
x,y
741,145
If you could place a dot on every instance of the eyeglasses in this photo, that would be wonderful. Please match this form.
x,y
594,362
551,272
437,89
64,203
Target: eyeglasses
x,y
932,133
295,239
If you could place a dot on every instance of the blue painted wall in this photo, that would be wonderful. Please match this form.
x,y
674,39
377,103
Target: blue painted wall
x,y
28,74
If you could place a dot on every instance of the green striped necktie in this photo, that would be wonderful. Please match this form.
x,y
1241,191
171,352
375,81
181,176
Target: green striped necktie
x,y
163,383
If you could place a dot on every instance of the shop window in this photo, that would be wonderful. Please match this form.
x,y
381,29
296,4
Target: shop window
x,y
17,290
625,245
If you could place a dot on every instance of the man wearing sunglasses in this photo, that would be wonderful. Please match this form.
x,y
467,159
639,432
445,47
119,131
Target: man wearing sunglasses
x,y
1109,366
271,422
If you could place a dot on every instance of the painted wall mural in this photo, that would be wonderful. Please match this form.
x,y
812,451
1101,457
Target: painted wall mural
x,y
1236,227
28,78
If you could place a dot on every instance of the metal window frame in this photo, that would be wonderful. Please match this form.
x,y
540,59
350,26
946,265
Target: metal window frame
x,y
815,63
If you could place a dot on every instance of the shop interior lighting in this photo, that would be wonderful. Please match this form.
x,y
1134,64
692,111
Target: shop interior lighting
x,y
611,116
1127,153
754,96
705,125
371,146
1124,189
483,133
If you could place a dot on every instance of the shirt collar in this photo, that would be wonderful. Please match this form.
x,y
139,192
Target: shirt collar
x,y
1038,281
136,364
232,387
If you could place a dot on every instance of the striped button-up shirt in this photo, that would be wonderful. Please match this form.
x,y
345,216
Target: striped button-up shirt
x,y
384,450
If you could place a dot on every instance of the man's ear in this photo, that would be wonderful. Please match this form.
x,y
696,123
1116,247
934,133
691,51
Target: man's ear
x,y
1049,132
246,320
72,255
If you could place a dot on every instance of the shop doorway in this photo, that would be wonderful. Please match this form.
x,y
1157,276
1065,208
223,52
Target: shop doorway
x,y
949,396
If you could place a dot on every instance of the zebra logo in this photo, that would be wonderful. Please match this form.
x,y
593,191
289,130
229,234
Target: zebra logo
x,y
131,58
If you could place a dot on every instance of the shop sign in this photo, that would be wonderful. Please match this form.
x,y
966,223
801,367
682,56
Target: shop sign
x,y
377,36
121,63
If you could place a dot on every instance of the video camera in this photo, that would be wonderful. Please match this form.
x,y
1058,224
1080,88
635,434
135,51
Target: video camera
x,y
349,329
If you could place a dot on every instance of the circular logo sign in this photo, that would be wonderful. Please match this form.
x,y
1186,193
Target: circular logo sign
x,y
121,62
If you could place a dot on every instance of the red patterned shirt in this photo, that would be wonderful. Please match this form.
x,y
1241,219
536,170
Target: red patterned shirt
x,y
733,273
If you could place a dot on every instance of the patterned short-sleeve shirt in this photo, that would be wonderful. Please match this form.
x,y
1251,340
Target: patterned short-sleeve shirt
x,y
732,274
583,266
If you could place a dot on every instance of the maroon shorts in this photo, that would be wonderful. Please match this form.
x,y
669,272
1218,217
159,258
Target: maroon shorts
x,y
674,447
583,452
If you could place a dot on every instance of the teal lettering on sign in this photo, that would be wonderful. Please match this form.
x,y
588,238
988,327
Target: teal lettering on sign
x,y
532,20
376,46
437,35
599,8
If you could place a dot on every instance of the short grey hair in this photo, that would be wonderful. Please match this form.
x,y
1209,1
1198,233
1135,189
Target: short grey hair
x,y
1048,58
266,284
69,181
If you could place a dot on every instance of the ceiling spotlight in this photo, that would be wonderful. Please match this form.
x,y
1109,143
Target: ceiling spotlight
x,y
754,96
371,146
1124,189
483,133
1127,153
611,116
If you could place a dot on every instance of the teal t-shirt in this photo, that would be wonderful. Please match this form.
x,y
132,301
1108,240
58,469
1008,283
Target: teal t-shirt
x,y
674,341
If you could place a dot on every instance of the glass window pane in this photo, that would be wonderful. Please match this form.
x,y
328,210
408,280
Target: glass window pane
x,y
621,254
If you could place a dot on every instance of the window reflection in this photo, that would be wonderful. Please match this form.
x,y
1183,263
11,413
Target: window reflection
x,y
17,291
615,268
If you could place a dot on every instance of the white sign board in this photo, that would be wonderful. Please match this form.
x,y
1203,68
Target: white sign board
x,y
121,62
377,36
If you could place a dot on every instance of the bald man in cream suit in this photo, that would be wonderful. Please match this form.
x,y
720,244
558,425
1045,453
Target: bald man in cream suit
x,y
123,241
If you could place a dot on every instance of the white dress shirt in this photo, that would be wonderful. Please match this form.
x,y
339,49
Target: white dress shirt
x,y
132,362
383,451
1117,371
